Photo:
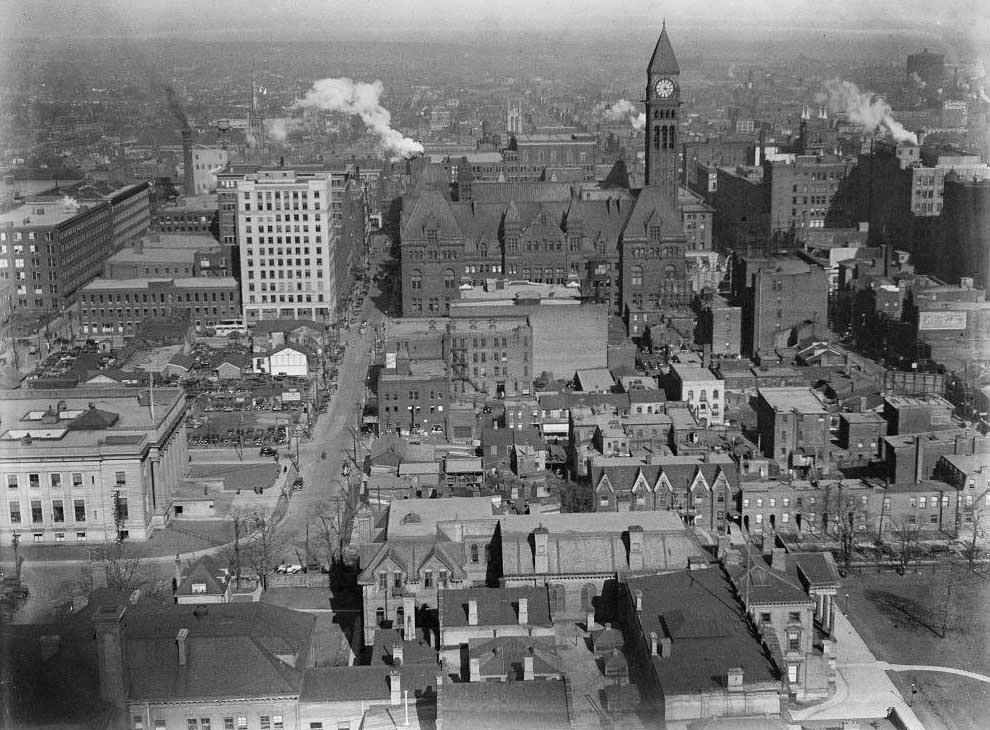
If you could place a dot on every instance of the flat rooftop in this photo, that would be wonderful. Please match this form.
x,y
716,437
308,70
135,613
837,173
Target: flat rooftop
x,y
44,213
419,517
693,373
800,399
187,282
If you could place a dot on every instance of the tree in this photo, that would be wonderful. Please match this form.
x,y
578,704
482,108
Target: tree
x,y
127,570
646,339
844,517
238,529
264,547
333,521
971,549
906,534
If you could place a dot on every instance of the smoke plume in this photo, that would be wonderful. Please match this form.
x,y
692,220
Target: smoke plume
x,y
864,108
624,109
360,99
175,107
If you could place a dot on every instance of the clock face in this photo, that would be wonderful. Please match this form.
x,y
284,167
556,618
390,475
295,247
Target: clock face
x,y
664,87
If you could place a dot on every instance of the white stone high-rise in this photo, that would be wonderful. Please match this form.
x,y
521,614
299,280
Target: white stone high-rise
x,y
287,241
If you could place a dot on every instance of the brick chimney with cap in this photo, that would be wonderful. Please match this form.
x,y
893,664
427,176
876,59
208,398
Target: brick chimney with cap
x,y
472,606
395,687
181,642
523,611
778,559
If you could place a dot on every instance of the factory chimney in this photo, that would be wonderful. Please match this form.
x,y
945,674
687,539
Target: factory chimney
x,y
189,184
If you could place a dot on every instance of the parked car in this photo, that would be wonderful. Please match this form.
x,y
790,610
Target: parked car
x,y
268,451
297,484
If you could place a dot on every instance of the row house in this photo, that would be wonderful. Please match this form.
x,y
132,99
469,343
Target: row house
x,y
699,490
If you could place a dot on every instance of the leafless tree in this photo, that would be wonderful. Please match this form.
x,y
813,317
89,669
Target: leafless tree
x,y
266,543
971,549
844,517
906,535
333,520
127,569
238,529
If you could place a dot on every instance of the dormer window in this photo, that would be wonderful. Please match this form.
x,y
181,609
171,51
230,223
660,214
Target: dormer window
x,y
432,235
199,587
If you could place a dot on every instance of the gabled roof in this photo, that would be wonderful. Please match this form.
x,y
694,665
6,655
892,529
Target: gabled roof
x,y
651,209
503,656
760,583
207,571
433,209
663,60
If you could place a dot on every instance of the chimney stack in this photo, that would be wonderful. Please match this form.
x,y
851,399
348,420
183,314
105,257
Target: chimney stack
x,y
472,612
395,687
638,595
666,646
475,669
523,611
189,181
109,625
180,640
654,643
528,668
398,654
734,678
409,617
778,559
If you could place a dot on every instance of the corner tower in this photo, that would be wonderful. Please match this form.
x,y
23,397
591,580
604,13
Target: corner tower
x,y
663,101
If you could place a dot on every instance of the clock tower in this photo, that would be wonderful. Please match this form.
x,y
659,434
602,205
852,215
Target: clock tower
x,y
663,101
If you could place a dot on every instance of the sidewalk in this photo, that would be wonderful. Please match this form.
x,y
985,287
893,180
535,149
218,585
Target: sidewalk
x,y
862,688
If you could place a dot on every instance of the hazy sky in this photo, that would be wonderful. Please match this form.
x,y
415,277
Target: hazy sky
x,y
392,18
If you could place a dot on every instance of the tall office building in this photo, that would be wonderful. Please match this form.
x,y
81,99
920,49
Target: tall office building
x,y
287,241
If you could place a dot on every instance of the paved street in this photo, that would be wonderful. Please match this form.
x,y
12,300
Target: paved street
x,y
322,479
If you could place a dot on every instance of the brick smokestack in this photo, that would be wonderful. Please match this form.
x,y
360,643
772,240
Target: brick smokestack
x,y
189,182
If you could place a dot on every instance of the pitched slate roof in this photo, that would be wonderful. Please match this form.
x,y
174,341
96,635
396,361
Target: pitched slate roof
x,y
680,473
208,571
708,628
663,60
652,209
342,684
410,556
414,651
760,583
247,636
503,656
594,543
505,705
496,606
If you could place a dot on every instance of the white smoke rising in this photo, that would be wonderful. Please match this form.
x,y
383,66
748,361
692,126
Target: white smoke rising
x,y
361,99
279,129
869,111
623,109
917,80
69,203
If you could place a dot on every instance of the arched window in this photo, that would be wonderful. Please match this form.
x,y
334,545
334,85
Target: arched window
x,y
636,276
416,279
448,279
400,619
379,616
558,599
474,553
656,137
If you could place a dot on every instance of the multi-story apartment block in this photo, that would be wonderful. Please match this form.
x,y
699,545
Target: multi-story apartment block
x,y
794,426
702,390
491,356
86,465
778,294
287,242
113,308
413,396
49,248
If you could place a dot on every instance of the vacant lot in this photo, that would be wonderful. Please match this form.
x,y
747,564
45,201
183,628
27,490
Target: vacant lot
x,y
935,617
